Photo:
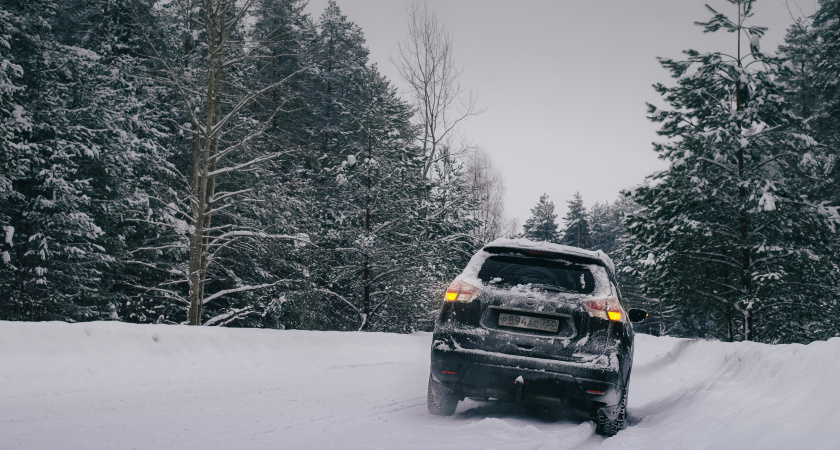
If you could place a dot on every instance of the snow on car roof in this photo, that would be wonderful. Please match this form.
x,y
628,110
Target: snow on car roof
x,y
470,273
527,244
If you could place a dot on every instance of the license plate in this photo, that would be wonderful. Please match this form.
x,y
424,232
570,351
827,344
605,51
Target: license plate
x,y
529,322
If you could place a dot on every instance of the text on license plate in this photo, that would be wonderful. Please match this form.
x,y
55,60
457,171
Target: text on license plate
x,y
532,323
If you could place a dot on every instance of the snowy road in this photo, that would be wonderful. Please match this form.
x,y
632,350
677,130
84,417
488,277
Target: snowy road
x,y
115,385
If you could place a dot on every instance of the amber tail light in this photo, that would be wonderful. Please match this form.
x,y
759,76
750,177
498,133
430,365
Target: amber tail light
x,y
606,308
461,291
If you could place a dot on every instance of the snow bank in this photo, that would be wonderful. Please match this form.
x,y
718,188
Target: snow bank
x,y
116,385
58,355
709,394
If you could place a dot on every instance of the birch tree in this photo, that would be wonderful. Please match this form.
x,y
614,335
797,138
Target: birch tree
x,y
214,94
487,194
426,63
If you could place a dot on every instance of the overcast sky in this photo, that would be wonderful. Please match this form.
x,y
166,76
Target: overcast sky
x,y
564,83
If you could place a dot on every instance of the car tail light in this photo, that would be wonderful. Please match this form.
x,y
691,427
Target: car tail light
x,y
606,308
461,291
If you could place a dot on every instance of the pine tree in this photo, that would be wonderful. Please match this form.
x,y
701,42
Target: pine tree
x,y
727,234
13,124
798,53
375,243
607,229
82,143
282,200
577,224
135,173
826,64
542,225
812,53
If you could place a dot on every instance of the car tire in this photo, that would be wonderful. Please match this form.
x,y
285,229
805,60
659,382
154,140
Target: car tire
x,y
610,426
440,400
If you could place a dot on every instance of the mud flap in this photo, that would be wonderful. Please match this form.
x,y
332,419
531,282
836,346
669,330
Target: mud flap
x,y
517,392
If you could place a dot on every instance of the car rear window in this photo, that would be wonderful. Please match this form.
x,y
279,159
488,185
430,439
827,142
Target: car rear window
x,y
539,273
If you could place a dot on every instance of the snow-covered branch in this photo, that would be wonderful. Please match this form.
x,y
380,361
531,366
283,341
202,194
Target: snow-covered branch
x,y
338,296
235,290
246,164
171,294
259,234
713,162
219,196
227,316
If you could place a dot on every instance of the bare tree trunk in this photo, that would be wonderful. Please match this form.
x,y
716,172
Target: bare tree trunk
x,y
743,220
205,183
366,275
425,62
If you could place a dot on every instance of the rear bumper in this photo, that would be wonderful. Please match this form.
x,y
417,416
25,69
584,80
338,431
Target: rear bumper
x,y
481,374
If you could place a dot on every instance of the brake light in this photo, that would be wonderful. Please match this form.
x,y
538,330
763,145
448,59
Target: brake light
x,y
461,291
605,308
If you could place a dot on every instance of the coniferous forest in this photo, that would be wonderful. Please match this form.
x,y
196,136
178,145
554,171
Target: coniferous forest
x,y
219,163
242,163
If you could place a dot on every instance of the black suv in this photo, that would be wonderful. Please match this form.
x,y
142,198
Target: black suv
x,y
538,323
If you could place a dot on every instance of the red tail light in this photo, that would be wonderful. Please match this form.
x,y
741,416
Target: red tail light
x,y
606,308
461,291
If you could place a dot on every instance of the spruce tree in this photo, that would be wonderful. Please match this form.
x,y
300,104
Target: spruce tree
x,y
13,124
606,230
283,196
813,59
826,64
577,224
83,143
542,225
377,243
727,234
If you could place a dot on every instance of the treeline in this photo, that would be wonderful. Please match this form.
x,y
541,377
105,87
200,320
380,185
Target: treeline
x,y
737,238
602,227
241,163
225,162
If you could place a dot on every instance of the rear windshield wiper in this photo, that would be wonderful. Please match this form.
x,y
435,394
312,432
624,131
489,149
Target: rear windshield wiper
x,y
552,288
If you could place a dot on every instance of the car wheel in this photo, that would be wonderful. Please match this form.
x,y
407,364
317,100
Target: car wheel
x,y
611,421
440,400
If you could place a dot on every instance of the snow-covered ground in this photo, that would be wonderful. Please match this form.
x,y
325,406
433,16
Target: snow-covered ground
x,y
116,385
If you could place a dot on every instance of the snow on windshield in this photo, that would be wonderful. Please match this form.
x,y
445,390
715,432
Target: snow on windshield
x,y
592,274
